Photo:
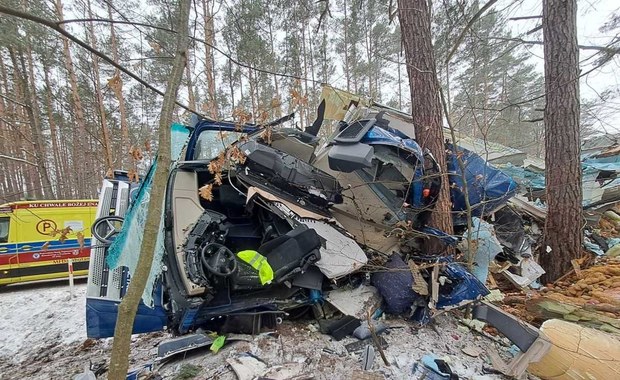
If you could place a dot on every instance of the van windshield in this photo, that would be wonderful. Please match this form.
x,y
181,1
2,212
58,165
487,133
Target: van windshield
x,y
4,229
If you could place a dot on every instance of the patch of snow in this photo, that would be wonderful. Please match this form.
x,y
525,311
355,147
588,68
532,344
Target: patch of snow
x,y
37,316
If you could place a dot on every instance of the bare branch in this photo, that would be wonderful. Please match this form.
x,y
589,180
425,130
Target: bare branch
x,y
14,101
17,159
467,27
604,49
536,29
524,18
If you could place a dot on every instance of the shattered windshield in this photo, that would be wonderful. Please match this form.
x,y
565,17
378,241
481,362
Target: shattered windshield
x,y
210,143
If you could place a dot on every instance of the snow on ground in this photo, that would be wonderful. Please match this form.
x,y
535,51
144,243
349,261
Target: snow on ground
x,y
35,315
43,336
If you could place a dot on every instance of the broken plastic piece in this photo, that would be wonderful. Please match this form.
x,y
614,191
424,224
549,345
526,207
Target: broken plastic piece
x,y
361,344
355,302
183,344
342,327
439,366
363,332
533,343
485,247
464,287
368,358
217,344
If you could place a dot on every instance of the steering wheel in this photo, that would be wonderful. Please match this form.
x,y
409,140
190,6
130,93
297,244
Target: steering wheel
x,y
218,260
106,228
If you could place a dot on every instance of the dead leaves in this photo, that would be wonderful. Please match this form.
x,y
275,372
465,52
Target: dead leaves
x,y
63,234
155,46
217,179
216,165
147,146
109,174
266,135
261,116
297,98
80,238
241,117
236,155
136,153
206,192
275,103
133,176
116,84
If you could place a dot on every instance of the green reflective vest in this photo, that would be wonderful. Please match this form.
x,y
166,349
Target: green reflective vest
x,y
258,262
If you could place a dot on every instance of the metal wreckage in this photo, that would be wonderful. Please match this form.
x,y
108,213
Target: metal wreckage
x,y
261,224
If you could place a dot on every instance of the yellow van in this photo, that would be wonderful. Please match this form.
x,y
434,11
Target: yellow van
x,y
37,238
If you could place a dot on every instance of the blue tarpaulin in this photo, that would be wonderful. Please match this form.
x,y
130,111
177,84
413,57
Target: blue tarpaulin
x,y
488,187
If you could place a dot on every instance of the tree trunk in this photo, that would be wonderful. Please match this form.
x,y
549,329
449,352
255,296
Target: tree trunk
x,y
190,85
124,148
107,146
41,184
347,73
415,23
119,361
79,134
564,223
278,109
209,62
59,168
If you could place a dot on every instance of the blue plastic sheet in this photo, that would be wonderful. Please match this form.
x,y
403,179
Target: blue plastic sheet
x,y
395,286
526,178
488,187
125,250
486,247
465,287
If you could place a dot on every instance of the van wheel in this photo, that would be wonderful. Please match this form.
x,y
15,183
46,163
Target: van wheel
x,y
106,228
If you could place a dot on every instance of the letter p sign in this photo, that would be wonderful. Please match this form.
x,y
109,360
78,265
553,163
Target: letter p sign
x,y
46,227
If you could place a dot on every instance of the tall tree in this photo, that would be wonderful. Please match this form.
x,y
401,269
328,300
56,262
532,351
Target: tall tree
x,y
207,10
119,361
564,223
415,24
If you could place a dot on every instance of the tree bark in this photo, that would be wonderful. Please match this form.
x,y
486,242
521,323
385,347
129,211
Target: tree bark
x,y
59,167
41,184
564,223
119,361
124,148
415,23
347,73
79,134
209,62
107,145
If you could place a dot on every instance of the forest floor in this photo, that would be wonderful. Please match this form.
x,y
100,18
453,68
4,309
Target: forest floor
x,y
43,336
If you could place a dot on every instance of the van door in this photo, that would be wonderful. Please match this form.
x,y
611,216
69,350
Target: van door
x,y
9,259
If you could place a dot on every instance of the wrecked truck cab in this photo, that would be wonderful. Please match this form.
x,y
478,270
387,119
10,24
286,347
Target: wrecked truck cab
x,y
258,243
